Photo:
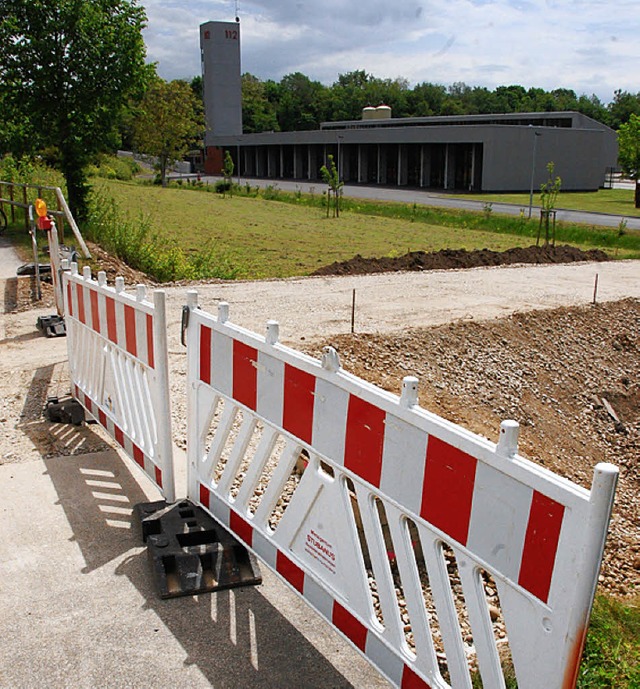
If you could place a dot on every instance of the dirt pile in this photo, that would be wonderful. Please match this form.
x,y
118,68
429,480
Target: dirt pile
x,y
447,259
559,373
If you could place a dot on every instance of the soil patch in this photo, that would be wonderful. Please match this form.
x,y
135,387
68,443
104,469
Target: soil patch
x,y
447,259
115,267
560,373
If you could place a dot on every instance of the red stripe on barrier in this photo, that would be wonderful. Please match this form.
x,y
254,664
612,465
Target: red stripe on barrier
x,y
240,526
351,627
150,353
159,476
540,545
138,456
297,414
447,491
112,328
80,293
205,495
119,435
95,314
412,681
205,354
69,299
130,329
88,404
290,571
364,440
245,374
102,418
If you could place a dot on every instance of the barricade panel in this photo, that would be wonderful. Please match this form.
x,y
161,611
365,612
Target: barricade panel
x,y
402,529
118,364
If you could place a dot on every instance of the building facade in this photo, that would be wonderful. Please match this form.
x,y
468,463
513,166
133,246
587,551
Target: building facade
x,y
493,153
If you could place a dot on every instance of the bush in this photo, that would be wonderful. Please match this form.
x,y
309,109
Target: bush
x,y
222,187
134,242
113,167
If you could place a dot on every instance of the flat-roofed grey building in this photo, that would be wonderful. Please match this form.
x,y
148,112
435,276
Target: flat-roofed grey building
x,y
496,152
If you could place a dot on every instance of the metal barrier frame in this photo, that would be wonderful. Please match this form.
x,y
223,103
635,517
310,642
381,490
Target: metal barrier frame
x,y
63,212
539,536
118,363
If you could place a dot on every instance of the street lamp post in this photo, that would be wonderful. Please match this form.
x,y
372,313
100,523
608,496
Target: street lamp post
x,y
533,168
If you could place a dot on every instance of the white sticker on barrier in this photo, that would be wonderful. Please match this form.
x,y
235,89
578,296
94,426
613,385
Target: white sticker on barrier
x,y
118,364
434,551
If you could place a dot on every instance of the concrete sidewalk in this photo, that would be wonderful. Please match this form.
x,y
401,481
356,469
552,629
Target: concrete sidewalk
x,y
79,609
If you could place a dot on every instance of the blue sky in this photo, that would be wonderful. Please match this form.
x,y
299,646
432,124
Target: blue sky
x,y
590,46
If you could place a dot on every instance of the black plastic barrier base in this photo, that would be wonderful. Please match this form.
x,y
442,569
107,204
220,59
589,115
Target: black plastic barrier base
x,y
65,410
190,552
51,326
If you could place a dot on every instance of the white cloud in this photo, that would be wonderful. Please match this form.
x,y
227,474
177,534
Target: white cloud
x,y
589,46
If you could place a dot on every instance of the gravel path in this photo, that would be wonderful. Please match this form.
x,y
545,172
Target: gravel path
x,y
308,308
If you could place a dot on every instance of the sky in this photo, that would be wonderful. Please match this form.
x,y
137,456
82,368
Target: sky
x,y
589,46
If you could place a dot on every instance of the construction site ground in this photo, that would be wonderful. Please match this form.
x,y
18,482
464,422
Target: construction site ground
x,y
523,342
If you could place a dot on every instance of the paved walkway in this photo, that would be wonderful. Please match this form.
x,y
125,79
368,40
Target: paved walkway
x,y
9,259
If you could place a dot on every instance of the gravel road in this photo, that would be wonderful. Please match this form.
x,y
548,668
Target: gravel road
x,y
307,308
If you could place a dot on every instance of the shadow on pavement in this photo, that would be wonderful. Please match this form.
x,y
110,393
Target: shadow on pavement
x,y
10,294
235,638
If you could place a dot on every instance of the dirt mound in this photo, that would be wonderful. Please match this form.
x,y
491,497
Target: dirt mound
x,y
570,376
447,259
115,267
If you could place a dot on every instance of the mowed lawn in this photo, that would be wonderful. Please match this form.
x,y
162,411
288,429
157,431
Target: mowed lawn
x,y
612,201
265,238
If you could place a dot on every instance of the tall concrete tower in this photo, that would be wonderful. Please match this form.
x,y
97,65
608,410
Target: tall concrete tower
x,y
222,85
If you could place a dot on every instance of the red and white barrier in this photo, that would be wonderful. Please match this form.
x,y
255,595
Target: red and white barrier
x,y
118,361
401,521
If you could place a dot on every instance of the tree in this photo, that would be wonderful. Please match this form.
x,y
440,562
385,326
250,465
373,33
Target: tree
x,y
258,112
67,68
169,122
331,178
301,104
227,173
629,151
624,105
549,191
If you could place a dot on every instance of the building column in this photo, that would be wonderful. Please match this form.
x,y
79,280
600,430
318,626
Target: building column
x,y
310,162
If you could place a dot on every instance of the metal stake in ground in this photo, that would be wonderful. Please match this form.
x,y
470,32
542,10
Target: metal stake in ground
x,y
595,289
353,311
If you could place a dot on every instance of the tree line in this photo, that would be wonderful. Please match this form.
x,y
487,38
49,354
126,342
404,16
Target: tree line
x,y
298,103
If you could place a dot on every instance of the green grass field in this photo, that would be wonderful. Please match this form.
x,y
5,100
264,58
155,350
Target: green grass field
x,y
261,238
612,201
